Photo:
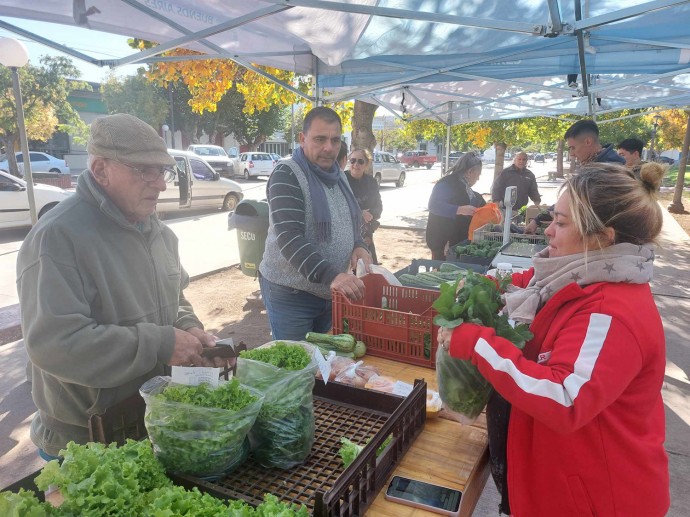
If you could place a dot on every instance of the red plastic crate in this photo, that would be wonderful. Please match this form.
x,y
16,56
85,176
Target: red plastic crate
x,y
397,333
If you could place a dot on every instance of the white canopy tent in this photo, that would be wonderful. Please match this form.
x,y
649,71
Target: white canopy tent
x,y
451,60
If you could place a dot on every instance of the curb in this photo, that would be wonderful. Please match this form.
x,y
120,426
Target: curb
x,y
10,324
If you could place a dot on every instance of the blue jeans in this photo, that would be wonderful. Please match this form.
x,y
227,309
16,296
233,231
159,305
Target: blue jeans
x,y
292,313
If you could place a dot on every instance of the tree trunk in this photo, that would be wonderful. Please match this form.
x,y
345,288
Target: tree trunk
x,y
559,158
362,121
677,206
10,141
500,157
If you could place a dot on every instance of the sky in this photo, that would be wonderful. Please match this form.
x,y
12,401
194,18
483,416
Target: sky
x,y
99,45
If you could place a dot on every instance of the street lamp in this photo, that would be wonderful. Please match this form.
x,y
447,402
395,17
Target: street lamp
x,y
13,55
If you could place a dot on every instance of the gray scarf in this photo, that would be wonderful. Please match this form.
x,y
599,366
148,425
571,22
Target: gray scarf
x,y
316,177
628,263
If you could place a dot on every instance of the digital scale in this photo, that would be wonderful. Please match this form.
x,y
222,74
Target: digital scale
x,y
518,254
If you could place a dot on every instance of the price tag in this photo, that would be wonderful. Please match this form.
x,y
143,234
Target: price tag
x,y
323,364
402,388
193,376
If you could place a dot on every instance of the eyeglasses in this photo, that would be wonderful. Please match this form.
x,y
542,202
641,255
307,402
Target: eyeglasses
x,y
150,174
360,161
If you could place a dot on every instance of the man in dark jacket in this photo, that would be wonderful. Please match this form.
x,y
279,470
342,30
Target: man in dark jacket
x,y
517,175
583,143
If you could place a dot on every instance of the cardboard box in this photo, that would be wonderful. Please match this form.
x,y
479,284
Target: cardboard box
x,y
533,211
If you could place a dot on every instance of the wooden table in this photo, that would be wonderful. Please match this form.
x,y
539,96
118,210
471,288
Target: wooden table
x,y
445,453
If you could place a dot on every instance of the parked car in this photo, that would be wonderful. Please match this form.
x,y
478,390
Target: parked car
x,y
387,168
452,158
14,202
195,184
256,164
276,157
666,159
216,157
418,159
539,158
40,162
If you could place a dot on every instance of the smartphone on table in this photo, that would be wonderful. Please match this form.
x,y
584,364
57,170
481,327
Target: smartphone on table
x,y
419,494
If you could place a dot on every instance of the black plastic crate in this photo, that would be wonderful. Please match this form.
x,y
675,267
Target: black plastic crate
x,y
453,257
434,265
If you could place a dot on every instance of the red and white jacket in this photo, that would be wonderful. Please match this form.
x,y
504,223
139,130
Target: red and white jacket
x,y
587,428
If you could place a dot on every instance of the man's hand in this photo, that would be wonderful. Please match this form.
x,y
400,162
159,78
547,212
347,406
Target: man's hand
x,y
466,210
366,215
531,228
205,338
360,253
187,351
349,285
443,337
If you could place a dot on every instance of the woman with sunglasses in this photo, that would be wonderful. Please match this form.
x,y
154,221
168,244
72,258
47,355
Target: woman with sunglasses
x,y
452,205
366,191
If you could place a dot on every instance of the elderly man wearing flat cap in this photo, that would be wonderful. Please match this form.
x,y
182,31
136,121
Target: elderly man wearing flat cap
x,y
100,287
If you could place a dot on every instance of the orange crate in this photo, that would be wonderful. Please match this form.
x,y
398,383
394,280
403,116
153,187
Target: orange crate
x,y
403,332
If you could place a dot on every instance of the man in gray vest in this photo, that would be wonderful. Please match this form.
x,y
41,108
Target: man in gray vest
x,y
314,238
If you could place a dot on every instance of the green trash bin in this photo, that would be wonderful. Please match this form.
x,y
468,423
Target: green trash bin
x,y
250,218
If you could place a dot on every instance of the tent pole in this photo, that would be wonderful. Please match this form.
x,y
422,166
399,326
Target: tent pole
x,y
449,125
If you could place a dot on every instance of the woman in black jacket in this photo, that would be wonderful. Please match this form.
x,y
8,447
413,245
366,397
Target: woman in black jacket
x,y
366,191
452,205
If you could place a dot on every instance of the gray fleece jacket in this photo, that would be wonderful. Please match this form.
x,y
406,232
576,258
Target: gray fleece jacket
x,y
99,299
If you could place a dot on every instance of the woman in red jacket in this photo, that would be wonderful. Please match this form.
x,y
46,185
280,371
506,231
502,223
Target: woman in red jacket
x,y
586,428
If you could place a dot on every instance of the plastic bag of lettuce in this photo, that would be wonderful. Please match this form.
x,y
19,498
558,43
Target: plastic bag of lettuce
x,y
200,430
284,371
473,299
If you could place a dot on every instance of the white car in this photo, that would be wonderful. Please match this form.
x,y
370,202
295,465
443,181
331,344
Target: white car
x,y
196,185
387,168
256,164
40,162
14,201
216,157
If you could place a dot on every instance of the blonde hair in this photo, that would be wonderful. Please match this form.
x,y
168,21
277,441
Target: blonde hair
x,y
365,152
609,196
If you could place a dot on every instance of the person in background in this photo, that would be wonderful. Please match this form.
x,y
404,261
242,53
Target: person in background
x,y
366,191
631,151
100,287
586,389
452,205
582,139
517,175
341,160
314,240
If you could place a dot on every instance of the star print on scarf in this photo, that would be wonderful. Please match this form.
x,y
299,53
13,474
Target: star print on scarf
x,y
624,262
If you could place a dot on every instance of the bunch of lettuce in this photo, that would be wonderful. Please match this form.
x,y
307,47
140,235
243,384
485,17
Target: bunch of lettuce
x,y
283,434
97,479
477,300
200,430
349,450
281,355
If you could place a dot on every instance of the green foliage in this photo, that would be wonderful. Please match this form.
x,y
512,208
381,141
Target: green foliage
x,y
479,249
137,96
281,355
349,450
45,89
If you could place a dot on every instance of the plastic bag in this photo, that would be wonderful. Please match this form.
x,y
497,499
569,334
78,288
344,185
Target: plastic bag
x,y
283,433
357,374
338,364
463,390
196,440
489,213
